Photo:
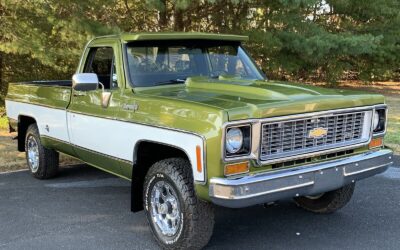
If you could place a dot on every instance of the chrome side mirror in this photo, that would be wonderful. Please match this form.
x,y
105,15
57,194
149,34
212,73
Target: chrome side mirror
x,y
85,82
90,81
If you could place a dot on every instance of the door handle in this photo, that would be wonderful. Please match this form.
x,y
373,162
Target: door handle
x,y
133,107
79,93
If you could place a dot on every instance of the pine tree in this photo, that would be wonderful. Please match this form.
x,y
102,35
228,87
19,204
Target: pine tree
x,y
320,40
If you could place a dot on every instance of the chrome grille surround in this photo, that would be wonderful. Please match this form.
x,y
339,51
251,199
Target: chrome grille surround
x,y
288,137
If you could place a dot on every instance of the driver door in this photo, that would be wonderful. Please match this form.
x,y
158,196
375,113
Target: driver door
x,y
91,114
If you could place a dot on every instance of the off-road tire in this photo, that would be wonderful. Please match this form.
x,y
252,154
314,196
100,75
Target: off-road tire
x,y
48,158
197,217
329,202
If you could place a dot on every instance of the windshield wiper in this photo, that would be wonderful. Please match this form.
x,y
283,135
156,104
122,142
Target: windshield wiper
x,y
170,82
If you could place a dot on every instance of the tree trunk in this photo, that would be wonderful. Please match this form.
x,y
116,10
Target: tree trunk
x,y
1,68
162,16
3,84
178,20
2,88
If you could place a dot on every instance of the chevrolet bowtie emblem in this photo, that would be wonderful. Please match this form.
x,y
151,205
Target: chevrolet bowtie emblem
x,y
317,133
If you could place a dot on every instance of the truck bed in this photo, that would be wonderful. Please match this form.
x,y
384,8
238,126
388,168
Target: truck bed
x,y
63,83
54,94
44,101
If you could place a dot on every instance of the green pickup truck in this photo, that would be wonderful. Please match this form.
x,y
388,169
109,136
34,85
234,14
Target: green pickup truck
x,y
191,121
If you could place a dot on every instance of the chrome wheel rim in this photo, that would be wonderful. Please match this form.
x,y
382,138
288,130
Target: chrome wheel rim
x,y
33,153
165,209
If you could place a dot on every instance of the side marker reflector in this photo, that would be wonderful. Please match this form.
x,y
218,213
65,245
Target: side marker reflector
x,y
198,158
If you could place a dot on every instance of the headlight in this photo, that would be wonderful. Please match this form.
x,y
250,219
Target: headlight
x,y
238,141
379,122
234,140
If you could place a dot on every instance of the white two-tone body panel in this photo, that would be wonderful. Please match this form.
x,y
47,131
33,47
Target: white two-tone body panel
x,y
110,137
51,122
119,138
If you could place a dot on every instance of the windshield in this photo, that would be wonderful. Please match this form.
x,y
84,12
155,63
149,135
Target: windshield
x,y
153,63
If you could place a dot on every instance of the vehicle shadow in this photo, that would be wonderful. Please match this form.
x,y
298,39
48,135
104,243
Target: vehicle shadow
x,y
368,221
81,171
283,225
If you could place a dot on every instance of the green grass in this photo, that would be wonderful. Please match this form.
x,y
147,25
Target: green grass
x,y
3,118
392,138
3,123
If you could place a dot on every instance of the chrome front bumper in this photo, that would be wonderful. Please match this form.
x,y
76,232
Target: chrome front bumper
x,y
299,181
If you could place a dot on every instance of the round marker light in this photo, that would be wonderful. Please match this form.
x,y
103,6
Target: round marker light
x,y
234,140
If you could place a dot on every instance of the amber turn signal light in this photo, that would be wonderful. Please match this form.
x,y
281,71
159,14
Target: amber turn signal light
x,y
237,168
198,157
376,142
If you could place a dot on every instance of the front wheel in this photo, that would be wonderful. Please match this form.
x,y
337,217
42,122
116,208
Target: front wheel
x,y
178,219
328,202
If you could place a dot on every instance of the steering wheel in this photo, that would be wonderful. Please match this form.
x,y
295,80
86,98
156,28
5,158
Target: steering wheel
x,y
148,65
218,73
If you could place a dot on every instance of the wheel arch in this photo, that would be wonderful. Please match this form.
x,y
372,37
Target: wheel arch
x,y
143,159
24,121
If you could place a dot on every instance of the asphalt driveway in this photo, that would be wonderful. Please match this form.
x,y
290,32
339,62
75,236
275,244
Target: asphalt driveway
x,y
85,208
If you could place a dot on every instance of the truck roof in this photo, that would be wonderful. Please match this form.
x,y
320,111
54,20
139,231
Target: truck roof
x,y
128,37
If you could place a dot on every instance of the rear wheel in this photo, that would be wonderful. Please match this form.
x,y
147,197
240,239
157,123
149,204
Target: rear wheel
x,y
42,162
177,218
328,202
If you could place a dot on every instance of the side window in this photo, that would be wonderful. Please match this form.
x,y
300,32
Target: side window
x,y
101,62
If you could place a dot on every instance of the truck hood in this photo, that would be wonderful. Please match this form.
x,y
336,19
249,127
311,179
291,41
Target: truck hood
x,y
244,99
